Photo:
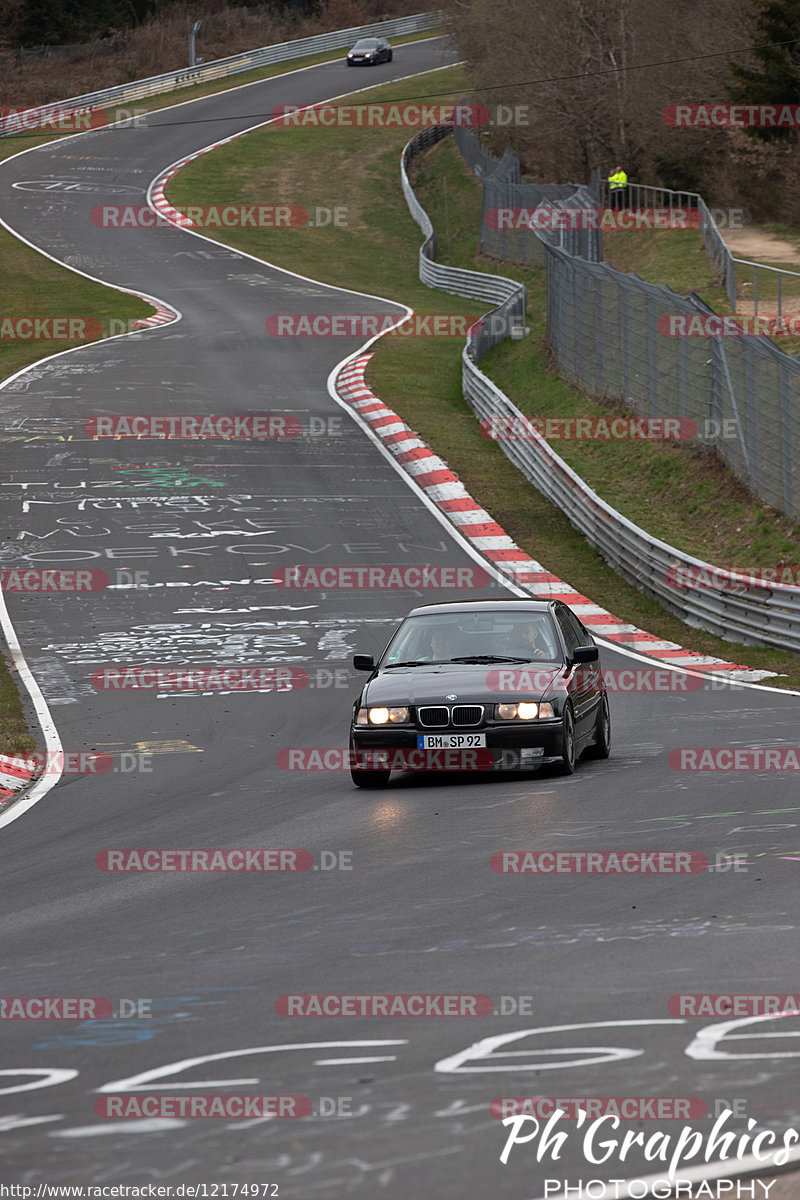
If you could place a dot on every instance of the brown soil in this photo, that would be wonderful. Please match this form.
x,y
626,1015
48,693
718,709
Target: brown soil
x,y
759,246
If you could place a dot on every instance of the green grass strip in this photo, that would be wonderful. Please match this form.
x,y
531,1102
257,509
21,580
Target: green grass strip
x,y
693,502
35,286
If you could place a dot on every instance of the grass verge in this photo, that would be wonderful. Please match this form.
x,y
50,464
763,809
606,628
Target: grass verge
x,y
678,259
34,286
130,109
15,737
421,378
30,280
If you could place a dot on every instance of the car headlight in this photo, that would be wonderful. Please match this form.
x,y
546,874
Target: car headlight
x,y
523,711
381,716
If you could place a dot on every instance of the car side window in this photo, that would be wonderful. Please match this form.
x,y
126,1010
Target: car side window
x,y
582,634
568,630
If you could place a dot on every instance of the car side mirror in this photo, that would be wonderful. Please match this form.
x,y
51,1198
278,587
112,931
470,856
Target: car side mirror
x,y
585,654
363,662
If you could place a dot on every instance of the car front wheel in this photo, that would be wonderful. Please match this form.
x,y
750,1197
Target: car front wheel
x,y
567,764
365,778
369,779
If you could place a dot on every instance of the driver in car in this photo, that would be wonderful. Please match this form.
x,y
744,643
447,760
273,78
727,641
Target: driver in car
x,y
534,642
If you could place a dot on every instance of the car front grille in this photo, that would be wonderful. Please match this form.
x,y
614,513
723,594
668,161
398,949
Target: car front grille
x,y
438,716
467,714
433,718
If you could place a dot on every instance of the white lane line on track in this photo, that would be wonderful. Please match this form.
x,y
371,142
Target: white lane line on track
x,y
715,1170
447,490
44,784
156,187
46,723
165,315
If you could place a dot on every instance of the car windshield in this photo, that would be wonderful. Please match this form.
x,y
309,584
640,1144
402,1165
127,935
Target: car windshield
x,y
474,637
366,44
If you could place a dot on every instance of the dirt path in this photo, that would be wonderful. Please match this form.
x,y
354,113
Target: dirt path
x,y
757,245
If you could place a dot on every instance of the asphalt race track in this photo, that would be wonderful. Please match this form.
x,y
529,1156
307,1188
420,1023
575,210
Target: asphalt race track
x,y
579,968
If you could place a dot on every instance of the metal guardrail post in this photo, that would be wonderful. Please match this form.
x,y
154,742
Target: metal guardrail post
x,y
222,67
786,439
653,345
730,280
599,334
508,297
735,410
192,36
755,292
736,607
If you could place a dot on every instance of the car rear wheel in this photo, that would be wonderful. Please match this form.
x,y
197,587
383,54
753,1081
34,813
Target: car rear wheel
x,y
602,732
389,57
567,764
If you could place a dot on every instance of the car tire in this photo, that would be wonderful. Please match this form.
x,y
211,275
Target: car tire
x,y
369,779
568,756
389,59
602,733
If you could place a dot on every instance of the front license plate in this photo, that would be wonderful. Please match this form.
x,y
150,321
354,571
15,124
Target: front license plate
x,y
450,741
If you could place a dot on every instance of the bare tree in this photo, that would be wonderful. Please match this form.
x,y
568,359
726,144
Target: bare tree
x,y
598,75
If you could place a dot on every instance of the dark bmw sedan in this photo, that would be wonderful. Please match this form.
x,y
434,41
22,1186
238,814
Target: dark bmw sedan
x,y
481,685
369,52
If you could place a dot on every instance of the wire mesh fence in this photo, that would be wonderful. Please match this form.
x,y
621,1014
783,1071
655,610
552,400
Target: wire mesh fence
x,y
509,297
619,338
741,607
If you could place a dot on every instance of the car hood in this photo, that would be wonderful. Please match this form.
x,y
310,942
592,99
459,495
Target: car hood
x,y
468,682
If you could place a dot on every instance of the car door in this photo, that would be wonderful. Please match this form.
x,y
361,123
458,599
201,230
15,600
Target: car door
x,y
584,685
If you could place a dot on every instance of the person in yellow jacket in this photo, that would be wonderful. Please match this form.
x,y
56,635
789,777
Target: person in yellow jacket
x,y
618,187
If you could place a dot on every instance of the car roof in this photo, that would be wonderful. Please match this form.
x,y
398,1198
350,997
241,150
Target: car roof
x,y
467,606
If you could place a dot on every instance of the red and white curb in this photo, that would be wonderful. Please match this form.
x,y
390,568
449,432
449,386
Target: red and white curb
x,y
432,474
15,773
162,316
158,200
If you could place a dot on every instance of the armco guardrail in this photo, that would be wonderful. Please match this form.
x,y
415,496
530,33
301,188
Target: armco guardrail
x,y
663,355
220,68
508,297
702,595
